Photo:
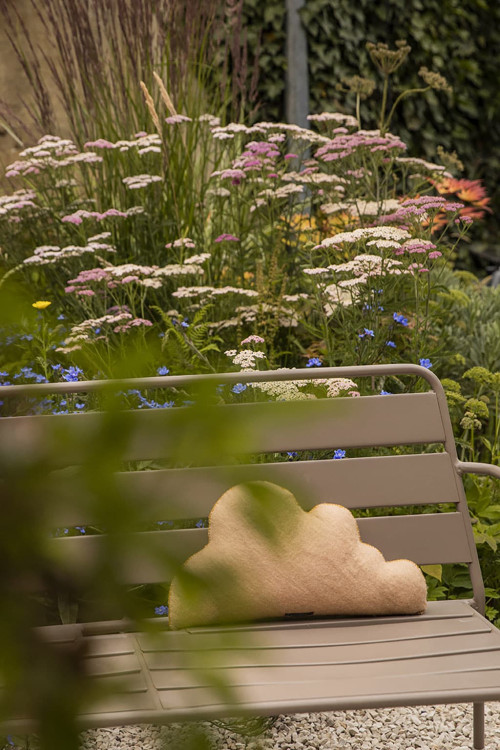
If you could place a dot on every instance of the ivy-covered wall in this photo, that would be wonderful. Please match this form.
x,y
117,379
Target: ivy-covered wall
x,y
458,38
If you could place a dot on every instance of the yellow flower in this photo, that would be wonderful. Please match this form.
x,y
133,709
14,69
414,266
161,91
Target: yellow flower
x,y
41,304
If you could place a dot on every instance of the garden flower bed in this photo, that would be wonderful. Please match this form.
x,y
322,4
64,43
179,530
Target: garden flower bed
x,y
200,246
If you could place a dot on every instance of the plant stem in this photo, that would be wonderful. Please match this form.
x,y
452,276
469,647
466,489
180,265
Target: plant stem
x,y
384,103
400,97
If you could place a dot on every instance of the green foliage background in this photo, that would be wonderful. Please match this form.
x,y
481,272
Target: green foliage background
x,y
457,38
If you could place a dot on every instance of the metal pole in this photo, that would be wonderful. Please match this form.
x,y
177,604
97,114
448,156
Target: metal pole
x,y
297,79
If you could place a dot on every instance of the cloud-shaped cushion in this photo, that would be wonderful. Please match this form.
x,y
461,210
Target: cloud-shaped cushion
x,y
267,557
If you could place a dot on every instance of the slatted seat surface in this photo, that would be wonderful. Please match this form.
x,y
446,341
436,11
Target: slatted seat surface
x,y
447,655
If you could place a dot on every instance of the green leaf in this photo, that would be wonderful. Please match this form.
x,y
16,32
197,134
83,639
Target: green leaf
x,y
483,538
68,609
436,571
492,593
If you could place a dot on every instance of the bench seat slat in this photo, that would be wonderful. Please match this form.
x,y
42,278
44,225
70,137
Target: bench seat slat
x,y
440,668
268,427
303,671
328,656
329,633
425,539
340,694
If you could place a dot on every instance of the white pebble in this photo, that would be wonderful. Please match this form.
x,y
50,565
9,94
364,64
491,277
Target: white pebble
x,y
405,728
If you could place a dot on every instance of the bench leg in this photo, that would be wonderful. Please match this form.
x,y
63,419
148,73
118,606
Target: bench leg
x,y
478,726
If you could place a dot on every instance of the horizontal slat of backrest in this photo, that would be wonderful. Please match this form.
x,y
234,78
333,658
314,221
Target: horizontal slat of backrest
x,y
376,481
425,539
355,483
266,427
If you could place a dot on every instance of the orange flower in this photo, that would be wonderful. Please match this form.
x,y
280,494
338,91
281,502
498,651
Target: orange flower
x,y
471,191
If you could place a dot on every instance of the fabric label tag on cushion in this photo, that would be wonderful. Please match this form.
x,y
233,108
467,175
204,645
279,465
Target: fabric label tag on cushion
x,y
267,557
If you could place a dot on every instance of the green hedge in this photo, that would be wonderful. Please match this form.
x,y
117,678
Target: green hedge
x,y
457,38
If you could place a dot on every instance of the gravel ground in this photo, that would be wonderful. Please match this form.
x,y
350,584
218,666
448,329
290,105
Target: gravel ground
x,y
419,728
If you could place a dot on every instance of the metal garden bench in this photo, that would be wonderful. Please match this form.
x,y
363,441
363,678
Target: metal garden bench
x,y
449,654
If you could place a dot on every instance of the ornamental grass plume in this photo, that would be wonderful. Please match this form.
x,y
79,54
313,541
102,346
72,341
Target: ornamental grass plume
x,y
96,52
151,107
164,94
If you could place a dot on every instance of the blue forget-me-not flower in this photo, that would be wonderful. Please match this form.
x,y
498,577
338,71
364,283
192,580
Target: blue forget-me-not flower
x,y
400,319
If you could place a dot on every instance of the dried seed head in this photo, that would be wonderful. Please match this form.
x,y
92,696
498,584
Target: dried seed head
x,y
388,60
450,159
151,106
358,85
165,95
435,80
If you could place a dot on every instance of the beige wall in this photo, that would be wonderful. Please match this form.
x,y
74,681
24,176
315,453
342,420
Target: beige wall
x,y
13,84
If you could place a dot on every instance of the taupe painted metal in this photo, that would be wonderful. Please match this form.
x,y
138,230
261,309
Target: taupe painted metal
x,y
449,654
155,555
271,427
452,654
420,479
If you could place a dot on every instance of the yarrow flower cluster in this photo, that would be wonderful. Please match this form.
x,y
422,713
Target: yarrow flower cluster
x,y
335,117
358,235
345,145
143,143
51,152
245,359
138,181
181,242
49,254
253,339
117,320
78,216
12,204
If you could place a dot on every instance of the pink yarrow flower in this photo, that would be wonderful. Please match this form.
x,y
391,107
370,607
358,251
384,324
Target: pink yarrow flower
x,y
253,339
177,119
226,238
100,143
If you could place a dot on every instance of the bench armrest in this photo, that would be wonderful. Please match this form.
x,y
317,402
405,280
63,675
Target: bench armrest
x,y
471,467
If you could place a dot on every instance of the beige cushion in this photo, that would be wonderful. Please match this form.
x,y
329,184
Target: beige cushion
x,y
267,557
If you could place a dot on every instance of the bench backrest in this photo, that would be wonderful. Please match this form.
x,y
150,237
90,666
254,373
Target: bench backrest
x,y
425,478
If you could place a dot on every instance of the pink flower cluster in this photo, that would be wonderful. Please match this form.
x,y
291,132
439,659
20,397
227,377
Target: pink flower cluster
x,y
48,254
177,119
226,238
258,155
137,181
336,117
416,245
420,207
181,242
253,339
117,318
80,284
133,323
344,145
144,143
16,202
50,152
78,216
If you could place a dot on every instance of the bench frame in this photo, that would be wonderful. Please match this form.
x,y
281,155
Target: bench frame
x,y
477,604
